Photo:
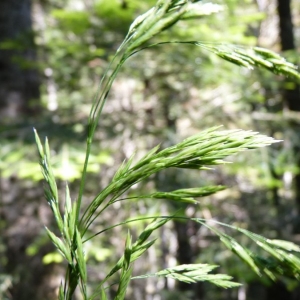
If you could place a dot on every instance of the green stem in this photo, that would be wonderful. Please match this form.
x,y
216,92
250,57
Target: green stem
x,y
96,110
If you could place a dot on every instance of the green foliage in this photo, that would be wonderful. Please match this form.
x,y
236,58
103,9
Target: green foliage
x,y
209,148
74,21
66,163
113,15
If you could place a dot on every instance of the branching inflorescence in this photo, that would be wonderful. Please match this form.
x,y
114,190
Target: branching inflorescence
x,y
208,148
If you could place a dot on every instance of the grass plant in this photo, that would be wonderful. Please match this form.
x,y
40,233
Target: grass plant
x,y
208,148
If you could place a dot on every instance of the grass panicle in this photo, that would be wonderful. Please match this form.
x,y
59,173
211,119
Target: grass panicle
x,y
194,273
280,260
209,148
255,57
126,269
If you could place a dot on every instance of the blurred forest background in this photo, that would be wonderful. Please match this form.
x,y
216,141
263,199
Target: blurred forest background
x,y
52,56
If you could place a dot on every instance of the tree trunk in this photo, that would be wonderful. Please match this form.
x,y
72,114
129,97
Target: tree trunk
x,y
291,99
291,95
20,208
19,81
286,31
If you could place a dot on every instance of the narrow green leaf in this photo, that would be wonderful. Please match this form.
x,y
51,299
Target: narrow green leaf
x,y
69,222
148,157
148,231
103,294
266,53
68,202
128,251
47,149
137,251
60,246
199,9
286,245
72,220
123,169
269,274
258,61
293,260
49,197
226,284
68,211
61,292
80,256
279,62
133,27
39,144
290,72
242,252
234,59
270,250
187,195
66,233
57,215
124,281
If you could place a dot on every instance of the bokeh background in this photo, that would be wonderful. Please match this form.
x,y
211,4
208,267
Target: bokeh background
x,y
52,56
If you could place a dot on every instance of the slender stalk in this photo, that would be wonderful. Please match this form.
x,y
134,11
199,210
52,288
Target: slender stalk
x,y
96,110
99,102
139,219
